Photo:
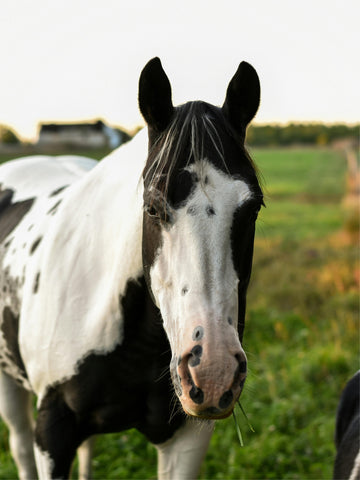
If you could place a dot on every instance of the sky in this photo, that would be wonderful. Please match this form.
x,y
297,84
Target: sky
x,y
76,60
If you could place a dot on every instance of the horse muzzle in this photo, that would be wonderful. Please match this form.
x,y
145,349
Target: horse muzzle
x,y
208,380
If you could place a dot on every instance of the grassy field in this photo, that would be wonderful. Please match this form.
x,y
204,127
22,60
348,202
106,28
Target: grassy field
x,y
301,337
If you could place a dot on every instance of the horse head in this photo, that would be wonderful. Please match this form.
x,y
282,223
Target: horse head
x,y
201,200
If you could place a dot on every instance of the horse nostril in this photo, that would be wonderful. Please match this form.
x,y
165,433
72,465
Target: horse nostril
x,y
196,394
243,366
240,372
242,363
226,399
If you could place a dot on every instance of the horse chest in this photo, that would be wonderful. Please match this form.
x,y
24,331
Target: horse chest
x,y
129,387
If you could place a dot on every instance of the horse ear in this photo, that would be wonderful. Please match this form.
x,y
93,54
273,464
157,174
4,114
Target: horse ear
x,y
155,96
242,97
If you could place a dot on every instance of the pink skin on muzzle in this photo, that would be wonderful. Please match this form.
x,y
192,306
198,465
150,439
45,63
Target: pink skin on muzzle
x,y
211,371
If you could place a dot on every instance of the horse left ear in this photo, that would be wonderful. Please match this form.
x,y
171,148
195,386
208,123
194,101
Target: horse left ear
x,y
242,97
155,96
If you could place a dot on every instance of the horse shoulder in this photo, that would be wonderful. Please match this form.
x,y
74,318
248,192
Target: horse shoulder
x,y
90,253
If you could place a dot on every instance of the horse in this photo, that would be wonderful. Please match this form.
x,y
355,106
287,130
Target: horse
x,y
123,284
347,432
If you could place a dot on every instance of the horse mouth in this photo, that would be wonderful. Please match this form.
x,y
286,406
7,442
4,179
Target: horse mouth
x,y
209,413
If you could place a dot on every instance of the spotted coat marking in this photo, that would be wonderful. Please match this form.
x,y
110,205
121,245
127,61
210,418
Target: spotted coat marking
x,y
23,223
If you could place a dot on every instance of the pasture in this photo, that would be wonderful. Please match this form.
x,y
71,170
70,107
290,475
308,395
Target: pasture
x,y
301,335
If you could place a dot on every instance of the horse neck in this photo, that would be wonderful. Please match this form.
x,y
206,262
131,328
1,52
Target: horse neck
x,y
109,210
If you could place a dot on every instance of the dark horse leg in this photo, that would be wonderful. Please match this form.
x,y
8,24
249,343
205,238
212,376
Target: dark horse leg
x,y
57,437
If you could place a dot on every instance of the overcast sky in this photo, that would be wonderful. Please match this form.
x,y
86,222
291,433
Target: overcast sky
x,y
75,60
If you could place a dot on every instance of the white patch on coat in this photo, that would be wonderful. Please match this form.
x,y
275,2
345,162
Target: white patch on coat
x,y
183,454
41,174
355,472
37,177
44,463
34,177
193,276
86,260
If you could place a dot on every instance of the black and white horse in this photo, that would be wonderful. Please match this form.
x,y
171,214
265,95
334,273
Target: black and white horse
x,y
347,432
125,282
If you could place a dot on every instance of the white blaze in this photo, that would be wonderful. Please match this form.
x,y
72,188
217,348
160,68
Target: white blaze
x,y
193,276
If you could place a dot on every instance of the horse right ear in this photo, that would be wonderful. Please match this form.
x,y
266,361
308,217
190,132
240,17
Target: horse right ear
x,y
155,96
242,97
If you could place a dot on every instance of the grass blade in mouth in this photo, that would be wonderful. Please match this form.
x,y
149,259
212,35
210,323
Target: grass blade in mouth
x,y
246,417
237,426
238,431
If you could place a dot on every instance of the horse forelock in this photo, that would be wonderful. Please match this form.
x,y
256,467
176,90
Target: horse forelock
x,y
181,144
196,129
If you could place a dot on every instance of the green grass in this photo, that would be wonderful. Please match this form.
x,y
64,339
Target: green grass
x,y
301,336
308,173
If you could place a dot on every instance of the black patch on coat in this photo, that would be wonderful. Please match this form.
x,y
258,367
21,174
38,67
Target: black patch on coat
x,y
347,439
210,211
5,198
111,392
11,213
184,290
185,185
8,243
150,247
192,210
195,357
58,190
10,331
242,246
36,283
57,433
198,333
54,208
35,245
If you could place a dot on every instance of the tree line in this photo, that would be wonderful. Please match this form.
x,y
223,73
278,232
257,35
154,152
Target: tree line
x,y
265,135
303,134
8,136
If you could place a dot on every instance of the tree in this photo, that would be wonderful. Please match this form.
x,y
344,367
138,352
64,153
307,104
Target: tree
x,y
7,136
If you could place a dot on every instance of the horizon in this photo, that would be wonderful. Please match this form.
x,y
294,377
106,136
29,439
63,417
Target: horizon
x,y
133,129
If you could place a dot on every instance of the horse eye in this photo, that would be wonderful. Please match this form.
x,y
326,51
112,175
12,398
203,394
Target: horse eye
x,y
159,213
151,211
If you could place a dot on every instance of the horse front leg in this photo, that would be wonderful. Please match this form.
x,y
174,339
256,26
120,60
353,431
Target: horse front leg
x,y
56,437
180,457
85,453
